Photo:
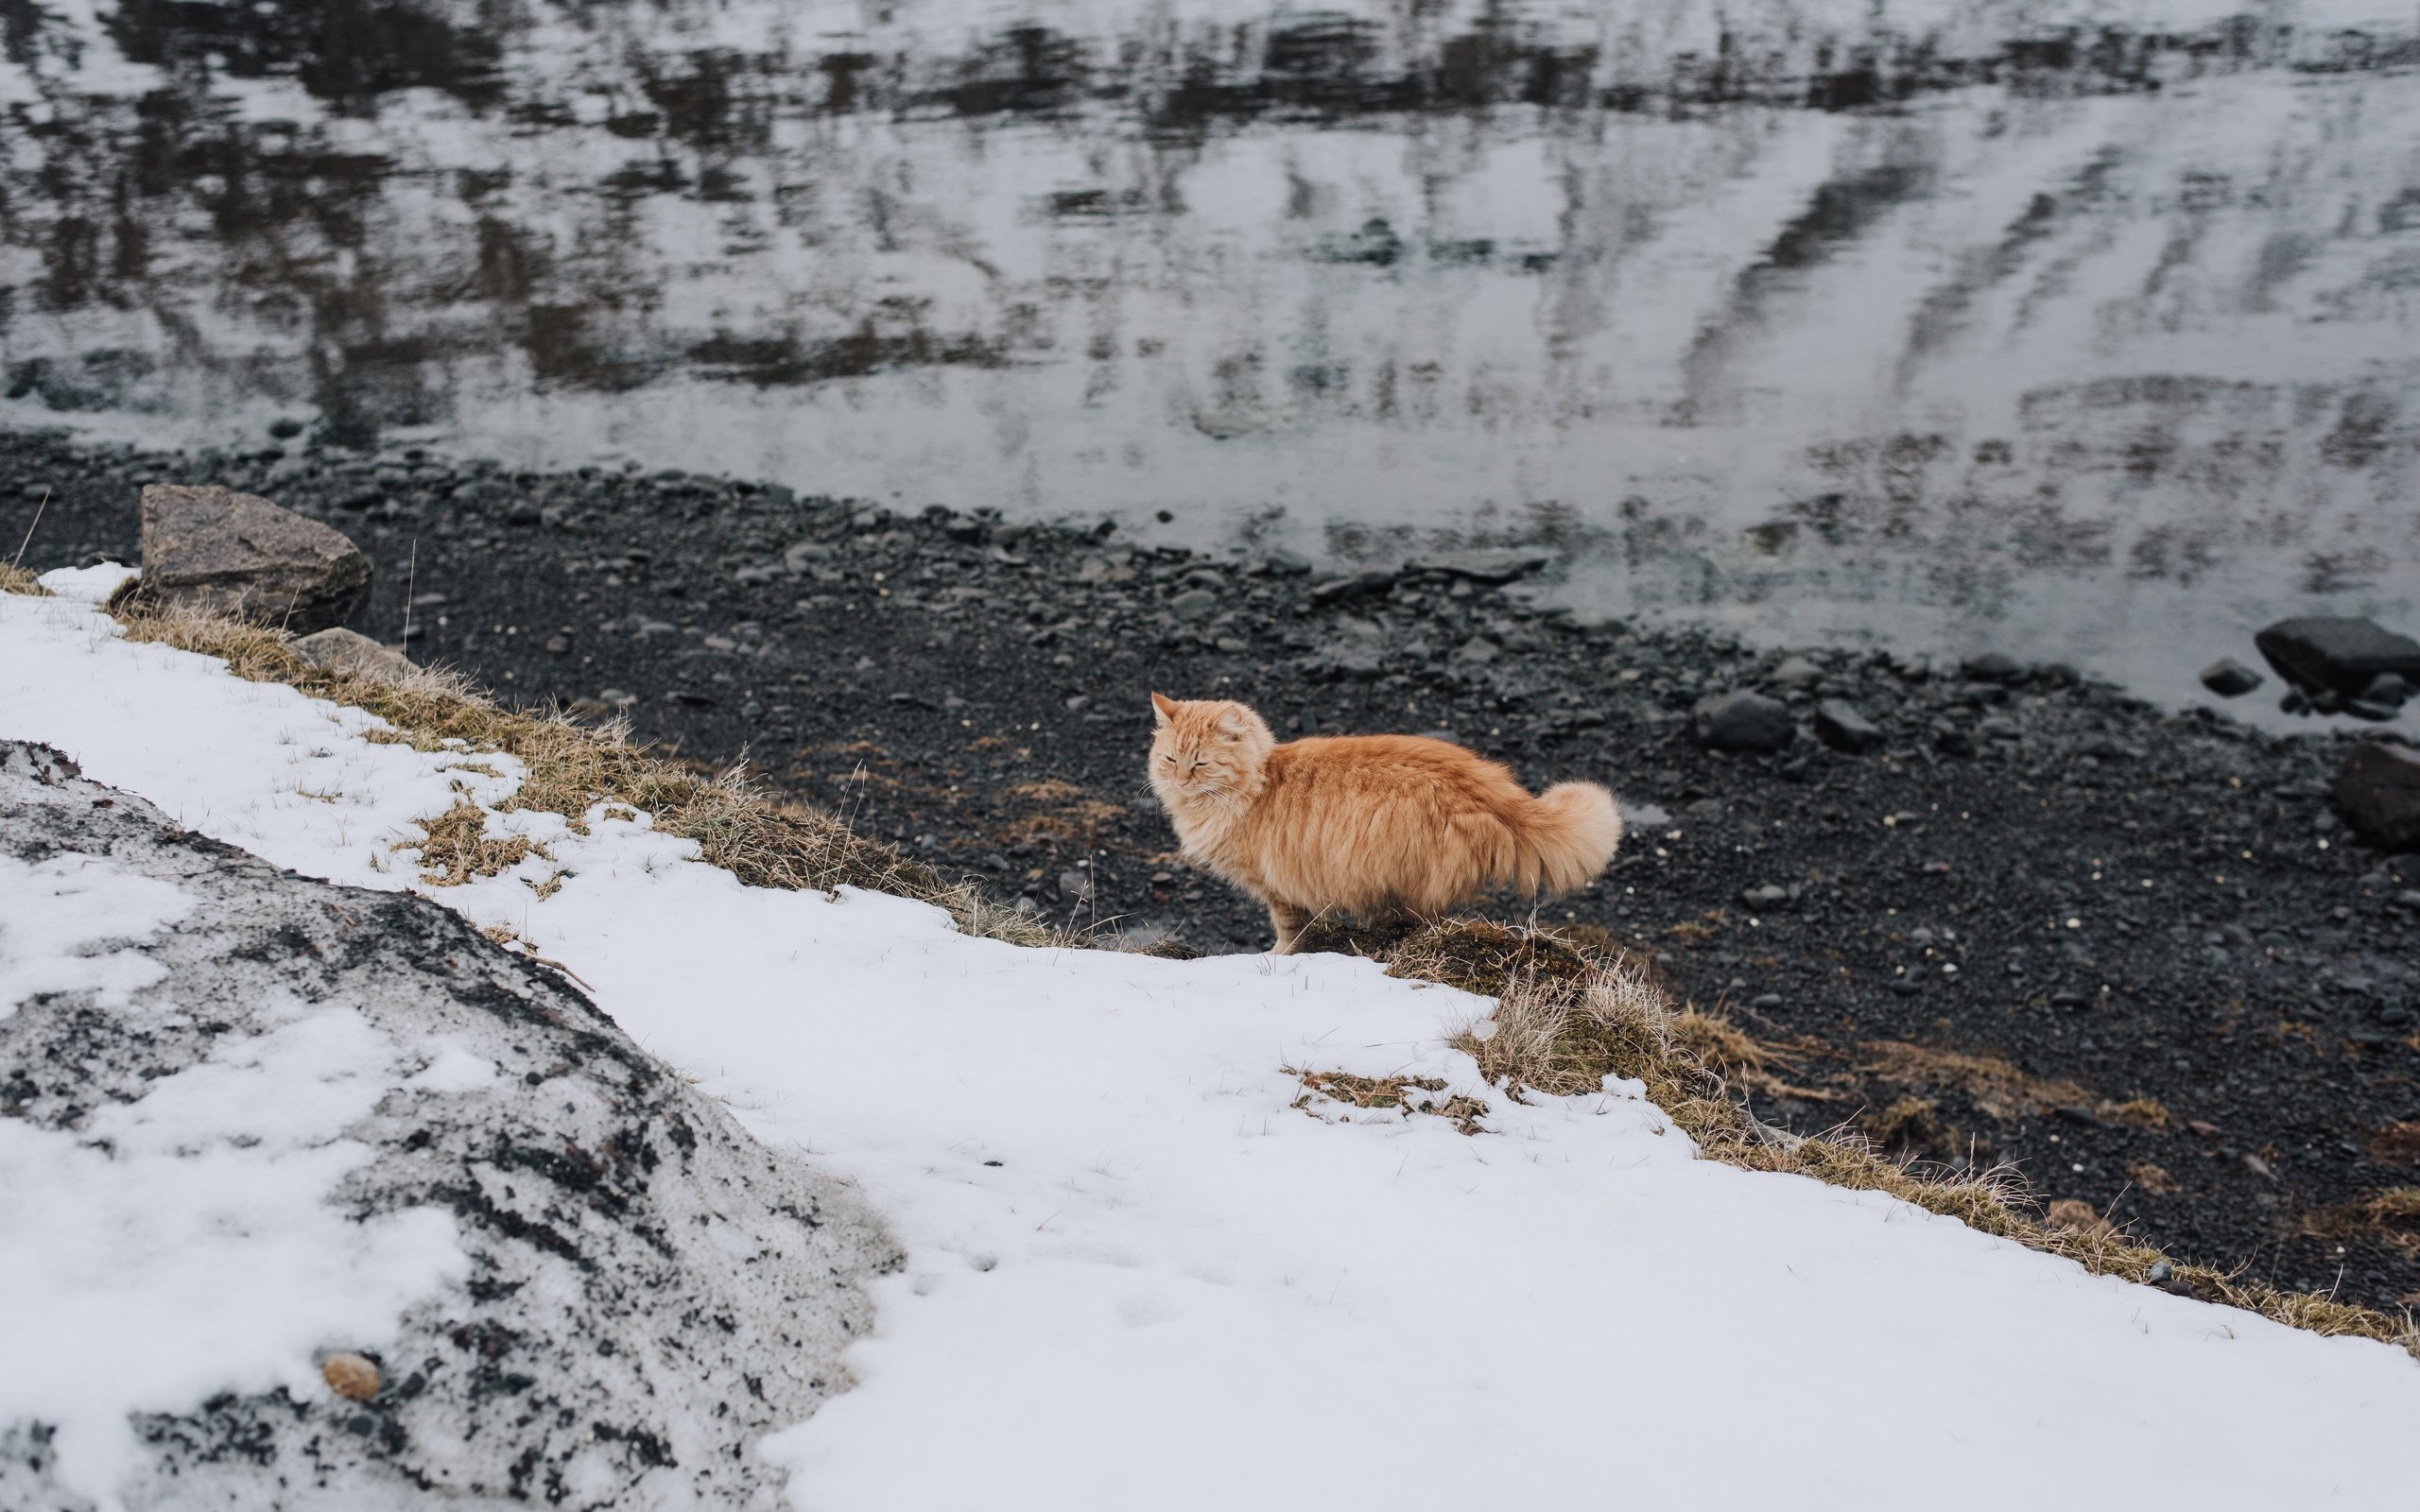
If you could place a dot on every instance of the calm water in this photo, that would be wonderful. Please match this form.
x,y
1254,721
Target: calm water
x,y
2071,330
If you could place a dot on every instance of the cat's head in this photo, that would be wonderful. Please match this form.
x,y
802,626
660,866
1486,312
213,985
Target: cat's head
x,y
1206,749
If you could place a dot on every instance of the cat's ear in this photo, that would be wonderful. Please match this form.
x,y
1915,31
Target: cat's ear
x,y
1163,710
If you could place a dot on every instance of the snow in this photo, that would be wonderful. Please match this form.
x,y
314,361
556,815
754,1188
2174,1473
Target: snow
x,y
58,912
1138,1276
184,1244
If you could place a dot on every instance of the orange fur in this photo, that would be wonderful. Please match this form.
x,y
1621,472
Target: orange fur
x,y
1367,825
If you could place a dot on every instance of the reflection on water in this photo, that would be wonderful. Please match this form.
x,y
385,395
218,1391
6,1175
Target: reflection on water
x,y
1973,323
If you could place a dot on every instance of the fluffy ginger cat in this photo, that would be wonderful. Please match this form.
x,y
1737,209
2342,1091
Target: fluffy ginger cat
x,y
1367,825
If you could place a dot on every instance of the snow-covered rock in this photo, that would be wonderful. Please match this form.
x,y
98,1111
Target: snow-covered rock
x,y
248,1119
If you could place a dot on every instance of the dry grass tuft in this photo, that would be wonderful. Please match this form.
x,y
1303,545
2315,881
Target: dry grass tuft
x,y
1413,1094
14,579
571,768
1561,1030
457,847
2391,1216
1997,1089
2396,1143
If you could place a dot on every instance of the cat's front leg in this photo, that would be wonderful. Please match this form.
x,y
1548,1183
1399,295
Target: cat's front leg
x,y
1289,922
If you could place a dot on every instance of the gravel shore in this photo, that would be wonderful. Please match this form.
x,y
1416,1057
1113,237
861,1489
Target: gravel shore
x,y
2038,920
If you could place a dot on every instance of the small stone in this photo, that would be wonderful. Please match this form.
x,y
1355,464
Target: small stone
x,y
1742,722
351,1376
2378,792
558,644
1951,740
2392,689
1352,586
1795,672
1992,666
1842,727
1075,887
1193,603
2230,678
2201,1128
1765,1000
214,549
1767,896
285,429
349,651
2160,1274
524,512
1477,651
1287,563
2341,656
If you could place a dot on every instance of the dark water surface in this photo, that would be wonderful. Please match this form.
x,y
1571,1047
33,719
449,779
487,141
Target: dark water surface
x,y
2069,330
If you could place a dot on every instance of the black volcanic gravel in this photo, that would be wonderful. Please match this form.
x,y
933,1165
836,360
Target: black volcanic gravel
x,y
2037,900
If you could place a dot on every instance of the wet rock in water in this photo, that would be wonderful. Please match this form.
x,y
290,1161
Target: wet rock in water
x,y
2388,689
1992,666
343,650
1742,722
2338,655
1499,566
1840,726
631,1253
2378,792
1352,586
2230,678
231,553
1289,565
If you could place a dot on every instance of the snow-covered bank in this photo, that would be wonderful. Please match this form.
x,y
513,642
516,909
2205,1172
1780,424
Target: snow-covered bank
x,y
1136,1274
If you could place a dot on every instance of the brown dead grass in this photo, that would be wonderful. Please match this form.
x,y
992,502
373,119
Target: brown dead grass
x,y
1997,1090
456,847
1566,1017
571,768
2156,1180
2397,1143
2391,1216
1413,1094
15,579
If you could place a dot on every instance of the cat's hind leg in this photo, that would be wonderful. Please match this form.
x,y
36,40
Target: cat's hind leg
x,y
1289,922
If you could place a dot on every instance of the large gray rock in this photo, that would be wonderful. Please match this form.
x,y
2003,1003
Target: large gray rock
x,y
2378,790
238,554
650,1290
2340,656
1742,722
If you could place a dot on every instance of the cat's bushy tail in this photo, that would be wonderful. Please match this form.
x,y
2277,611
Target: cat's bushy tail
x,y
1567,836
